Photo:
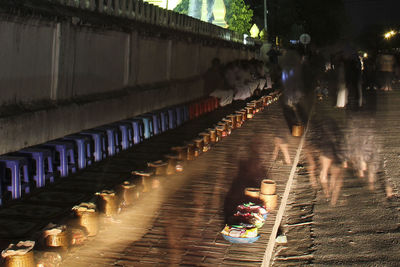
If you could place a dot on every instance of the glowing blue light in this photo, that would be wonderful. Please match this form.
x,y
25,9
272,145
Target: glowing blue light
x,y
284,76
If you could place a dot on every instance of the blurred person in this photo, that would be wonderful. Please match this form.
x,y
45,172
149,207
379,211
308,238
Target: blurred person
x,y
226,92
352,67
244,82
273,55
362,146
324,145
281,133
210,7
385,66
397,68
281,144
291,77
295,106
369,83
310,154
225,96
257,74
260,74
241,80
317,62
273,64
342,92
368,73
247,80
213,78
251,171
318,74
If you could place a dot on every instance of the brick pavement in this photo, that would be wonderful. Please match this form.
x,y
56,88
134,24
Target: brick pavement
x,y
178,223
363,228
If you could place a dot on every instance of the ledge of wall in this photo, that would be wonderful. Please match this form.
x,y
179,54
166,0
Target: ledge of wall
x,y
36,127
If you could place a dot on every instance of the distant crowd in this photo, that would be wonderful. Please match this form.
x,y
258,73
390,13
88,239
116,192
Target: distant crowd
x,y
236,80
347,79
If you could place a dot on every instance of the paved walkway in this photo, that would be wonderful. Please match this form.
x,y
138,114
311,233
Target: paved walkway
x,y
363,228
180,222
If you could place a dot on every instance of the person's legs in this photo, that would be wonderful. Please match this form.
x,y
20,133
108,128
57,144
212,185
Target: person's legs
x,y
325,165
210,7
285,151
277,142
362,168
281,144
311,166
388,190
335,184
371,176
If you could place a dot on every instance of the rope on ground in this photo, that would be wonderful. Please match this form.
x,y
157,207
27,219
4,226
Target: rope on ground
x,y
271,243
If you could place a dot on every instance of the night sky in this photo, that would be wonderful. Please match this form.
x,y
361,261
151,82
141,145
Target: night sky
x,y
366,12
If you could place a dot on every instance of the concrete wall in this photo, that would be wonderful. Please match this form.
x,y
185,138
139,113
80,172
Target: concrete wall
x,y
205,54
99,61
25,61
91,75
152,64
184,60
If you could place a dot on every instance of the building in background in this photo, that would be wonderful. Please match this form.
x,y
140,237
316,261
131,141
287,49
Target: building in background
x,y
167,4
211,11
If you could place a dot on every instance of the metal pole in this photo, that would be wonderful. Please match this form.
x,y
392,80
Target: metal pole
x,y
265,15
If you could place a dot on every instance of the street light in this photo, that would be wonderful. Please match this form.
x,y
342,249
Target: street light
x,y
389,34
265,15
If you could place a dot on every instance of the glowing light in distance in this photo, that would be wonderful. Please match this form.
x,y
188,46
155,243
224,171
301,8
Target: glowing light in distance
x,y
389,34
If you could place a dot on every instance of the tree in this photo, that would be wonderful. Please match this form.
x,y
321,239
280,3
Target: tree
x,y
238,14
258,12
182,7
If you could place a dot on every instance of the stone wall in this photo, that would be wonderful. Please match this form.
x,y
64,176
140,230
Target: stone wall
x,y
62,74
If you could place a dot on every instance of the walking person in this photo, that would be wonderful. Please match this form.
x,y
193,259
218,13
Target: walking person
x,y
324,145
385,71
292,79
342,92
352,68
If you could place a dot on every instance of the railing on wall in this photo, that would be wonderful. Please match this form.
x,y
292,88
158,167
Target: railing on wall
x,y
148,13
